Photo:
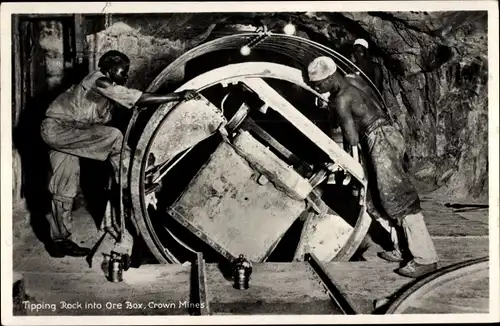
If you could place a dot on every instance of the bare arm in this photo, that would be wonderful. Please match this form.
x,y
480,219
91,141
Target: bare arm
x,y
346,121
156,99
147,99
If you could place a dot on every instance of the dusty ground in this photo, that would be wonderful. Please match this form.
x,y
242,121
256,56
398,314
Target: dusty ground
x,y
458,236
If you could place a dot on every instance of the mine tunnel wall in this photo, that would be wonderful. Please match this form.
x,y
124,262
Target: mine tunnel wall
x,y
434,65
435,77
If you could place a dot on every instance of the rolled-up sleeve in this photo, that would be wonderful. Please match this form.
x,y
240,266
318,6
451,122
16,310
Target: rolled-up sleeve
x,y
122,95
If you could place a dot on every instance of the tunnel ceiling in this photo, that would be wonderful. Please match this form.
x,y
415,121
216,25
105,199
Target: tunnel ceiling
x,y
434,65
459,30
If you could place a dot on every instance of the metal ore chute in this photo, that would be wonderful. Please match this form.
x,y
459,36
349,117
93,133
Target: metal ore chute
x,y
252,167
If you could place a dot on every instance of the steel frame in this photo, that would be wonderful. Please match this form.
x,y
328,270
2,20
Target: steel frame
x,y
251,74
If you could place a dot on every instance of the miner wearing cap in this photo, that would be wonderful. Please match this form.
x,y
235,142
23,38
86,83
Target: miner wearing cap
x,y
75,127
391,194
361,57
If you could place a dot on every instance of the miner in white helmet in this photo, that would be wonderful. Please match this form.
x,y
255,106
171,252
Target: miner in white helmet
x,y
391,194
361,57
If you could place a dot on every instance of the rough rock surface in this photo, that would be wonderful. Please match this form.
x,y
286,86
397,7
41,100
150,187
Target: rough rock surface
x,y
51,43
440,93
434,64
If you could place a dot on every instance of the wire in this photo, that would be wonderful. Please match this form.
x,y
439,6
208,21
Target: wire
x,y
222,103
179,240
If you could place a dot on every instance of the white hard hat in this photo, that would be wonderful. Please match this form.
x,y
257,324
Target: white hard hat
x,y
321,68
361,42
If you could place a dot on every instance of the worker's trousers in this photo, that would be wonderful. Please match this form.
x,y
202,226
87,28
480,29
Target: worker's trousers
x,y
392,199
68,142
418,239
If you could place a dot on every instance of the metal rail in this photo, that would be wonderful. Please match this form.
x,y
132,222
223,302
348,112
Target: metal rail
x,y
432,281
339,298
279,43
201,304
200,301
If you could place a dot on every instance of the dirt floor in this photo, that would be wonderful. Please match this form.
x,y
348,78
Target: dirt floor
x,y
276,288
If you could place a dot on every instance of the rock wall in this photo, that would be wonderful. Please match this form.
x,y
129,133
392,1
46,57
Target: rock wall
x,y
150,43
434,64
437,90
436,73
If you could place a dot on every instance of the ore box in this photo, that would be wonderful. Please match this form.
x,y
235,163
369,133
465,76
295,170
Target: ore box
x,y
242,200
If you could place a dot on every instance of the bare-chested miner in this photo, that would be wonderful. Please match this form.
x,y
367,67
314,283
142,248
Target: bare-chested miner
x,y
75,127
391,193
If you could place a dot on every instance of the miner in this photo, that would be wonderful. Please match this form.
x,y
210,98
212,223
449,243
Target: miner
x,y
361,57
75,127
391,192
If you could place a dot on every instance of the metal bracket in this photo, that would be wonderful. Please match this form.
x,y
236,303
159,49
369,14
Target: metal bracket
x,y
200,234
316,203
271,141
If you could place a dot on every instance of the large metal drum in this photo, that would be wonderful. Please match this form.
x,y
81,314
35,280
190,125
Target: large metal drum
x,y
235,172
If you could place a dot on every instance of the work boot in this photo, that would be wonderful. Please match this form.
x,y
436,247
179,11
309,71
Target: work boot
x,y
415,270
394,256
62,248
420,244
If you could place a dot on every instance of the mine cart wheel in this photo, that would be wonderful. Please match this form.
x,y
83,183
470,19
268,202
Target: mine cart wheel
x,y
453,289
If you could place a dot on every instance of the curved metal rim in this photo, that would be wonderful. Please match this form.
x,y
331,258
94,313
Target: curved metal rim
x,y
439,277
360,230
226,40
144,223
146,229
242,73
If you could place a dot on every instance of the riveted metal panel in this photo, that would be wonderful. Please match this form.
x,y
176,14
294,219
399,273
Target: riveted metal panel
x,y
232,210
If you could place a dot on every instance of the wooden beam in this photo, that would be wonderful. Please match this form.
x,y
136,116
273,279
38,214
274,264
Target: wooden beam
x,y
162,289
17,108
267,163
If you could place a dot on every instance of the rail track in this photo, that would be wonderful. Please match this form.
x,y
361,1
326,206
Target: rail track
x,y
458,288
